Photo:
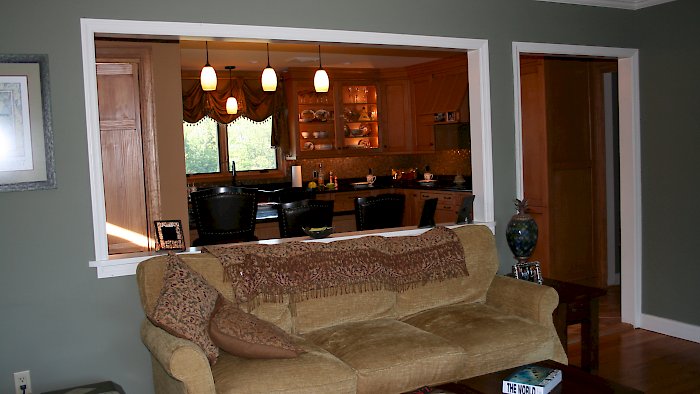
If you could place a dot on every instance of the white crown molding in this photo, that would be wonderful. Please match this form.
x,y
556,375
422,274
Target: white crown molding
x,y
623,4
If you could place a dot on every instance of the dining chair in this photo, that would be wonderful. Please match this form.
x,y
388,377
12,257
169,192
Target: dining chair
x,y
382,211
224,215
292,216
466,210
427,215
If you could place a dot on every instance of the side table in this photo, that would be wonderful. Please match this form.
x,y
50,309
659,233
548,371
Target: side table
x,y
578,304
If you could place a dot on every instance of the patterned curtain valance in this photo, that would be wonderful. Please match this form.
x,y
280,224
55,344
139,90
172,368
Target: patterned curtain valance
x,y
253,103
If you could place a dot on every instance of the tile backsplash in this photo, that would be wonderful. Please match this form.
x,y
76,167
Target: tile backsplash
x,y
449,162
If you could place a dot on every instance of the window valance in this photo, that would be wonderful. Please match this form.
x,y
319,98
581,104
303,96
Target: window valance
x,y
253,103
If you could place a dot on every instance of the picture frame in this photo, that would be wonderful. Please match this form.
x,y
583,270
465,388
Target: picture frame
x,y
453,116
27,160
529,270
439,116
169,235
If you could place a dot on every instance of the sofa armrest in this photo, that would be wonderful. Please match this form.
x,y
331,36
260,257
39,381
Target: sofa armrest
x,y
180,358
522,298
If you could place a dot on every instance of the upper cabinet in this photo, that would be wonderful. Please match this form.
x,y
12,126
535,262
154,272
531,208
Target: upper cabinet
x,y
360,116
369,111
439,96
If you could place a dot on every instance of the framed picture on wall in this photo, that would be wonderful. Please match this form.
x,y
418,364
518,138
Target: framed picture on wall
x,y
169,235
26,139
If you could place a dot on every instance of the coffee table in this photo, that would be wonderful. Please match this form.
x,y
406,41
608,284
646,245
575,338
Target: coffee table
x,y
574,380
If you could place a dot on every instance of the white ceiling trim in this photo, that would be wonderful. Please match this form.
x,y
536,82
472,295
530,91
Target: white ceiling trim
x,y
624,4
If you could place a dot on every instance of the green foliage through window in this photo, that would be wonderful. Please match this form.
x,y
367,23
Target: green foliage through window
x,y
201,146
247,142
249,145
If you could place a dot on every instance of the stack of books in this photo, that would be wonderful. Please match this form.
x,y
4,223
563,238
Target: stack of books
x,y
532,379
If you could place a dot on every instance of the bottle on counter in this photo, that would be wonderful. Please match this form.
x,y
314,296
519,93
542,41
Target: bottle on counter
x,y
321,175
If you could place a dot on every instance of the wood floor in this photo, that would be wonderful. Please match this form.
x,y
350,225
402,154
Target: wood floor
x,y
645,360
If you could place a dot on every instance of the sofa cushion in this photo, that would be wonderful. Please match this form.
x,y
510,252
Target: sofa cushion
x,y
315,371
316,313
391,356
478,244
491,339
244,335
185,305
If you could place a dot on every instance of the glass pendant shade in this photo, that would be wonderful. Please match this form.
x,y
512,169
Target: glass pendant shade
x,y
208,75
208,78
269,76
321,82
231,106
269,79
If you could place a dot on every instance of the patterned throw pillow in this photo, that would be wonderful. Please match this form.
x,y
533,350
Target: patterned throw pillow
x,y
185,305
244,335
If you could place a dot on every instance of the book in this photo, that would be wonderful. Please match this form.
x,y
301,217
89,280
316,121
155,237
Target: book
x,y
532,379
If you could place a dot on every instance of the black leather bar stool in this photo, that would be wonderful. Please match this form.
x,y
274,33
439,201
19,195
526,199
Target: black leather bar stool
x,y
224,215
304,213
382,211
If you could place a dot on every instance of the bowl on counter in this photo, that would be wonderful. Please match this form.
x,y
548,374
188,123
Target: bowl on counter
x,y
318,232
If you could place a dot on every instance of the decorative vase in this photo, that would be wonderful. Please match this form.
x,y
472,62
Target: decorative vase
x,y
521,232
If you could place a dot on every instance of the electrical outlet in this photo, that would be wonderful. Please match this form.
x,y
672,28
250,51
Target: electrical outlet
x,y
22,379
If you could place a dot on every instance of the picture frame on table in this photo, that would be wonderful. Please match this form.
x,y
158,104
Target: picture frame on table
x,y
169,235
529,270
439,116
453,116
26,136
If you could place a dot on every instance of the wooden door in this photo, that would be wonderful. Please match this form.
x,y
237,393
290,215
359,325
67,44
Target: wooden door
x,y
122,157
563,166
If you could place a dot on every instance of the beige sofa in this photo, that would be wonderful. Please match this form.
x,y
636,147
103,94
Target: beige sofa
x,y
371,342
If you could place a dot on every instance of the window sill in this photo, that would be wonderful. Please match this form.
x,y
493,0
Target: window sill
x,y
125,264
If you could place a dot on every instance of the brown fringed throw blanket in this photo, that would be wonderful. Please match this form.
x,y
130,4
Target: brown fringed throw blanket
x,y
305,270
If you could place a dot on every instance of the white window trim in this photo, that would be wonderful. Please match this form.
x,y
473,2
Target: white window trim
x,y
479,100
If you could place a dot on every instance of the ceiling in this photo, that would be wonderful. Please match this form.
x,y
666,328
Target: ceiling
x,y
251,56
624,4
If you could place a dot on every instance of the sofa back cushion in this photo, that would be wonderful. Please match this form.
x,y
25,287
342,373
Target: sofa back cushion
x,y
149,275
482,263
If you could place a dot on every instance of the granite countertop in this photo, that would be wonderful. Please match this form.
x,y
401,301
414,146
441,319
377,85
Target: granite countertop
x,y
445,183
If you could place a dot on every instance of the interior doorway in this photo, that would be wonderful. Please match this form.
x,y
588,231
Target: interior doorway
x,y
629,152
564,163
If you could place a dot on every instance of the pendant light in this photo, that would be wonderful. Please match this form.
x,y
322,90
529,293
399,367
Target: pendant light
x,y
231,102
269,77
208,75
321,82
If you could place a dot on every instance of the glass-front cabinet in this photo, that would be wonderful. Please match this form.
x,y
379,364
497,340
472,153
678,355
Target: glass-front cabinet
x,y
344,121
316,117
359,119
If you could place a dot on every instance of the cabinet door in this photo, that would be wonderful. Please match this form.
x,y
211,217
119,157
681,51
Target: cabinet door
x,y
122,158
360,126
315,119
397,133
424,140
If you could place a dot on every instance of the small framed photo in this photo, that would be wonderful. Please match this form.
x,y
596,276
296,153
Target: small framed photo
x,y
529,270
453,116
439,116
169,235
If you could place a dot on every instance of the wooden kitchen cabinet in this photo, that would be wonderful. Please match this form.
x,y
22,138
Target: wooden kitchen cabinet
x,y
447,207
397,122
438,87
344,121
564,164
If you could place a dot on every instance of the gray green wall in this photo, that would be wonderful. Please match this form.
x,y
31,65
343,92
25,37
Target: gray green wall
x,y
670,88
69,328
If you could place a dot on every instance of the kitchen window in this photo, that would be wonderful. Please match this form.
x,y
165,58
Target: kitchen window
x,y
210,148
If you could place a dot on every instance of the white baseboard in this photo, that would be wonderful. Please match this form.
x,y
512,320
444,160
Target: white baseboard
x,y
670,327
